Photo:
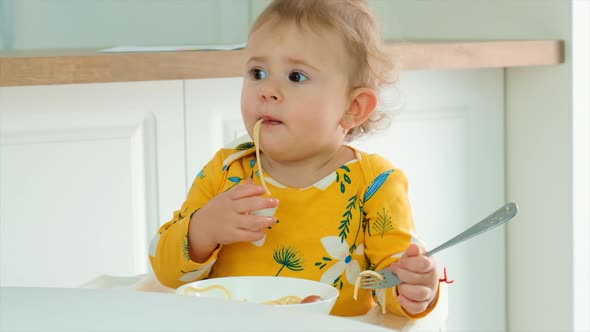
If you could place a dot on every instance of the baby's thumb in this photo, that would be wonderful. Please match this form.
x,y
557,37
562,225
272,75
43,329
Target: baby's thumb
x,y
413,250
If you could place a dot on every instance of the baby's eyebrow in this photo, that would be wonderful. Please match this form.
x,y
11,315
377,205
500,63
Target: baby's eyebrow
x,y
296,61
290,60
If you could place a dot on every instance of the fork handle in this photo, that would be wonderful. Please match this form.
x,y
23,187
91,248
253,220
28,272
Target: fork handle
x,y
495,219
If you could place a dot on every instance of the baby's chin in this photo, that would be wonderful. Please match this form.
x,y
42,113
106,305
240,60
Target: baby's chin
x,y
281,154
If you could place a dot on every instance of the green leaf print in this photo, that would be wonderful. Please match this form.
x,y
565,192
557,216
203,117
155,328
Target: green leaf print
x,y
185,253
338,282
347,178
383,223
288,257
344,178
322,265
365,222
345,223
245,146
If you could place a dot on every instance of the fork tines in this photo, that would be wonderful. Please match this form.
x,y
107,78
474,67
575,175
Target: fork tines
x,y
373,282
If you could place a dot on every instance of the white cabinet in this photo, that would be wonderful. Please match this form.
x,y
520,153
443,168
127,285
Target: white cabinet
x,y
41,24
86,171
213,118
449,139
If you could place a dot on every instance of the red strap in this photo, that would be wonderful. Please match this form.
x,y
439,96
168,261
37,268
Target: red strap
x,y
445,279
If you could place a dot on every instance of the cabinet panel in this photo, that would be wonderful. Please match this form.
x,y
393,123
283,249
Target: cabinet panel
x,y
213,119
448,139
40,24
85,171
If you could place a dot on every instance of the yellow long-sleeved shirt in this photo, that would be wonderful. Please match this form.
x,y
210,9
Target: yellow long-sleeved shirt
x,y
356,218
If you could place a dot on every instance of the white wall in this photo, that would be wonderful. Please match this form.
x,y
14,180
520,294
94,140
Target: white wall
x,y
539,178
581,167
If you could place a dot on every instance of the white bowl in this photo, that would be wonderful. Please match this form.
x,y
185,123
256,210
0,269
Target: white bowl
x,y
260,289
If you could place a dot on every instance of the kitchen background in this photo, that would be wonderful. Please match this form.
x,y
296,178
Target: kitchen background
x,y
89,171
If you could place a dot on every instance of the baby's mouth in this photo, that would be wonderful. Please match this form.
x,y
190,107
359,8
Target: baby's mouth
x,y
272,122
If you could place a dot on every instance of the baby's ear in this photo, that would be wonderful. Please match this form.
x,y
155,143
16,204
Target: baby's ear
x,y
363,102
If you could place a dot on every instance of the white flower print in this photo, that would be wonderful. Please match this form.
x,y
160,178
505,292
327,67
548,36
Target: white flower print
x,y
154,244
340,251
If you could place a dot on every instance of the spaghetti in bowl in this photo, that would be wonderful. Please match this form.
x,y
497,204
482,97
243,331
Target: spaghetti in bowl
x,y
284,292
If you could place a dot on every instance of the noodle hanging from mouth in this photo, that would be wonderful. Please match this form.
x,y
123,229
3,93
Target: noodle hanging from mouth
x,y
256,135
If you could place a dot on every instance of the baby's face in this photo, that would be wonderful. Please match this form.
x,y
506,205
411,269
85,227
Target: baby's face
x,y
297,80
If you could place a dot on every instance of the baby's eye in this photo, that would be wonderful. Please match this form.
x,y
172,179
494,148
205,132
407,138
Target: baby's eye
x,y
297,77
258,74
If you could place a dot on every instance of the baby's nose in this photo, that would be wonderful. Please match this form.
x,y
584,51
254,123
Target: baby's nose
x,y
270,94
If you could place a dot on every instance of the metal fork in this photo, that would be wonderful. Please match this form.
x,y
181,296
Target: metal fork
x,y
495,219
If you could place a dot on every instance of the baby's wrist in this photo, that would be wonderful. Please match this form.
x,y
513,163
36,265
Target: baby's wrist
x,y
200,245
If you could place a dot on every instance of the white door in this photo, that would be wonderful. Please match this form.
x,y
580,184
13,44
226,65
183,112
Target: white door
x,y
85,171
448,138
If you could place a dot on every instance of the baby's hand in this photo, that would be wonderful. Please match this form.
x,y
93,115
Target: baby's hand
x,y
419,280
227,219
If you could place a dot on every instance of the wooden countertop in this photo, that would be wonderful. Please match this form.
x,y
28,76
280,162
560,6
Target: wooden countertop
x,y
90,66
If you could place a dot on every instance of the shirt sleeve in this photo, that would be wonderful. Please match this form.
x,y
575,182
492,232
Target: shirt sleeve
x,y
169,253
390,229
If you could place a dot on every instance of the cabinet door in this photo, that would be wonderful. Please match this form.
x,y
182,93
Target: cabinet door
x,y
85,172
448,137
213,119
41,24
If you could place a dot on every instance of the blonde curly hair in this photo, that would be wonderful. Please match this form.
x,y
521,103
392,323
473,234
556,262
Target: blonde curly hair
x,y
373,67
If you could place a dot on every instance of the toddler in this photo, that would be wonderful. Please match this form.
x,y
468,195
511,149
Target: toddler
x,y
313,69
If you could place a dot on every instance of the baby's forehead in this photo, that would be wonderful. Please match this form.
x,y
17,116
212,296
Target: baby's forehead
x,y
311,35
289,40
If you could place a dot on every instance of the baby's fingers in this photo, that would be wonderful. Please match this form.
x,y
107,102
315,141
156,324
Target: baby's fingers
x,y
246,235
411,277
245,190
419,264
256,223
254,203
415,293
412,307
